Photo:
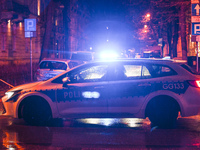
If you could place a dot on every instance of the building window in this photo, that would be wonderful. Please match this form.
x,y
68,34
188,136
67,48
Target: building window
x,y
14,42
14,28
3,35
56,22
3,41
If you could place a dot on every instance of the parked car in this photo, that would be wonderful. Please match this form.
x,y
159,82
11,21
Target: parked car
x,y
84,56
49,68
139,88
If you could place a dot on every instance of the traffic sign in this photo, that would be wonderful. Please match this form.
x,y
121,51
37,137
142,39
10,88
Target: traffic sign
x,y
196,28
194,1
30,34
30,25
195,10
30,31
195,18
198,38
195,25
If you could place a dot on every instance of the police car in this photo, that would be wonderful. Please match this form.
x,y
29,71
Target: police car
x,y
140,88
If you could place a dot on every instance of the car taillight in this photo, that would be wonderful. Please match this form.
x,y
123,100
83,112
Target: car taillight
x,y
195,83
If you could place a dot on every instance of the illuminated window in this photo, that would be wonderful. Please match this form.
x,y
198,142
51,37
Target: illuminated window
x,y
38,8
56,22
9,24
20,25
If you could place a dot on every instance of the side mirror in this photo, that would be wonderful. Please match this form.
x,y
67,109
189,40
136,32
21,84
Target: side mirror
x,y
65,81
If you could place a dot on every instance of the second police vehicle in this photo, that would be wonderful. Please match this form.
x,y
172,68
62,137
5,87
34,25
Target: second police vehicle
x,y
136,88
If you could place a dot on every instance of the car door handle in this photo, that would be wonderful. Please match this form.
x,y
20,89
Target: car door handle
x,y
144,84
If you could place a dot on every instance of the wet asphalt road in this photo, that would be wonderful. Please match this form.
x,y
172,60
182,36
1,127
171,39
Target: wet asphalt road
x,y
99,134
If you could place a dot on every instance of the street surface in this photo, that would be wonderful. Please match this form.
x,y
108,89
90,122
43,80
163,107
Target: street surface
x,y
99,134
92,134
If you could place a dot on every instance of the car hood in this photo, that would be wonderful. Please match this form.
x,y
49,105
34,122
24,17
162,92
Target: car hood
x,y
25,86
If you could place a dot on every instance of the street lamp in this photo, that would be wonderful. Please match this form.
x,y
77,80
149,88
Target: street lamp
x,y
147,17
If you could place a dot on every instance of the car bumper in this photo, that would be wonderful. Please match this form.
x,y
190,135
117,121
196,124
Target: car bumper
x,y
2,108
191,111
8,108
190,102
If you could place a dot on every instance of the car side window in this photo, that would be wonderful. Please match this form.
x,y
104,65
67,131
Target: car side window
x,y
133,71
136,72
162,71
145,73
91,74
140,71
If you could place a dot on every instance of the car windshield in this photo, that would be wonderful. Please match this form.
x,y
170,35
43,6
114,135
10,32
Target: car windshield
x,y
53,65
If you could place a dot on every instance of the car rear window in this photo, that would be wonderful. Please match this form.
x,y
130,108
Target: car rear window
x,y
53,65
81,56
189,69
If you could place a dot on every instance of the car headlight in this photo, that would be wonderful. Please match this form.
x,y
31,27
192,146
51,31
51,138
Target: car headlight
x,y
9,94
12,95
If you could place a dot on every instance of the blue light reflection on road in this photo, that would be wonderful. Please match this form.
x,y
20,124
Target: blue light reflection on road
x,y
129,122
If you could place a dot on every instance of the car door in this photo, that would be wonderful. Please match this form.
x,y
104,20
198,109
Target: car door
x,y
85,93
129,93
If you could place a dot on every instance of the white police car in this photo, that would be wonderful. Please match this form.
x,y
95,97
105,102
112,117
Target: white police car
x,y
140,88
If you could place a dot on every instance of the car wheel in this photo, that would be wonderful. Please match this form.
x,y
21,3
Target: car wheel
x,y
163,113
36,112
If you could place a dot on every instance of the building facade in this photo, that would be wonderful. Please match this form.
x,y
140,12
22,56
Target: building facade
x,y
14,47
59,29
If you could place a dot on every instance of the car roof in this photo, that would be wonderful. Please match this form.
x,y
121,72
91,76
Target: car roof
x,y
59,60
124,60
145,60
82,52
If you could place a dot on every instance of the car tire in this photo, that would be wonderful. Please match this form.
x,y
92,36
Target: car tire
x,y
36,112
163,113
